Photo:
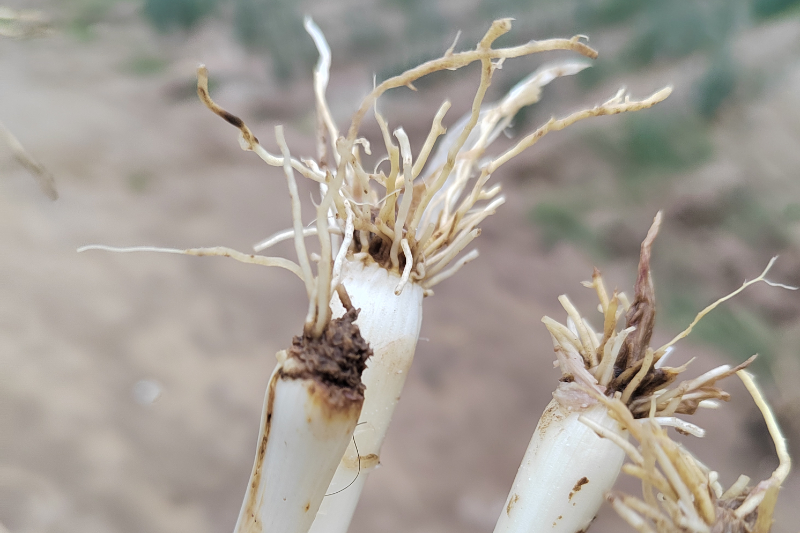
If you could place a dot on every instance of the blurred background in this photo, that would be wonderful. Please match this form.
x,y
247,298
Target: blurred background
x,y
131,385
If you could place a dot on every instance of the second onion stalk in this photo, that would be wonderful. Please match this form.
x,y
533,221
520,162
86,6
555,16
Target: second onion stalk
x,y
579,445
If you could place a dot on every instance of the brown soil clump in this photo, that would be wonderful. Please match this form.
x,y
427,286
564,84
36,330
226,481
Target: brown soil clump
x,y
336,358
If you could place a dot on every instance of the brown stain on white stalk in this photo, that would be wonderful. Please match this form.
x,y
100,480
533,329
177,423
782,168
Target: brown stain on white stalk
x,y
580,483
332,403
551,415
514,499
369,461
252,506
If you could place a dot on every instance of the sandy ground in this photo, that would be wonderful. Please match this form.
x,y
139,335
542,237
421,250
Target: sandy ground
x,y
82,334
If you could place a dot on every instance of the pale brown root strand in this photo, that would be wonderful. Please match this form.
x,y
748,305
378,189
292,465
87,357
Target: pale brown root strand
x,y
605,370
218,251
341,291
784,460
609,315
620,441
406,268
387,212
426,235
419,272
683,425
711,307
248,140
634,383
288,234
44,178
449,51
384,229
713,482
593,343
491,193
629,515
562,333
765,511
478,216
341,255
612,107
737,488
600,288
362,188
655,479
408,195
436,130
461,59
474,196
321,76
446,247
707,379
585,346
647,510
455,267
297,221
453,249
325,266
335,181
650,476
571,363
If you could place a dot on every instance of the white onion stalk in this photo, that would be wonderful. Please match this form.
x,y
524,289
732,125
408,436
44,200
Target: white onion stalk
x,y
315,394
305,427
680,494
392,322
579,446
566,487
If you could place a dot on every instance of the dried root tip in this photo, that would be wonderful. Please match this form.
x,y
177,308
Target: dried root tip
x,y
336,359
642,312
205,97
247,140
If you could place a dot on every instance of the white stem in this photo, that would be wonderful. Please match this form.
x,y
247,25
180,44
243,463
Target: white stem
x,y
565,473
302,438
390,323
